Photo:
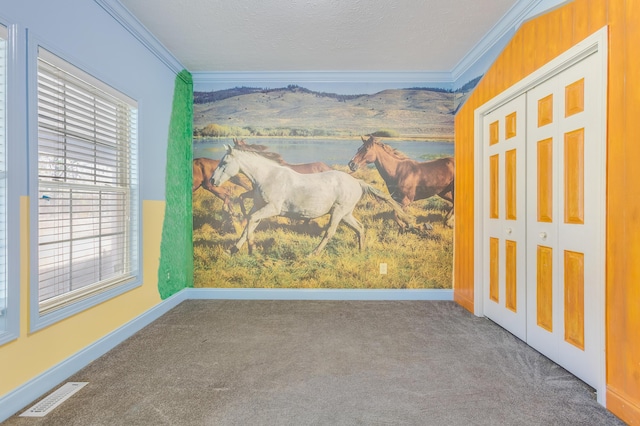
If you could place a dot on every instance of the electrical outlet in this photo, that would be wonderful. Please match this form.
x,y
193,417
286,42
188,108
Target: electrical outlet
x,y
383,268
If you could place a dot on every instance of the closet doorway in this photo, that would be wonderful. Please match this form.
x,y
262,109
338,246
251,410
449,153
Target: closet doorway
x,y
541,210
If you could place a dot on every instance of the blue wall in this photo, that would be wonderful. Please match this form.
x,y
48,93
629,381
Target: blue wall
x,y
83,33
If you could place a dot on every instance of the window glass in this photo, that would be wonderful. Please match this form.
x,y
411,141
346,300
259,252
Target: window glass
x,y
87,185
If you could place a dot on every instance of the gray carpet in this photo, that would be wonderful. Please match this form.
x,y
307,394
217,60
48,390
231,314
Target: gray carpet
x,y
325,363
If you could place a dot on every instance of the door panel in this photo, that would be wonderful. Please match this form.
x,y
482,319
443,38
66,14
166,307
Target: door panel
x,y
562,238
505,245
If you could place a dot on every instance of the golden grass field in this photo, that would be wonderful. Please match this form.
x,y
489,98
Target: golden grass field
x,y
415,260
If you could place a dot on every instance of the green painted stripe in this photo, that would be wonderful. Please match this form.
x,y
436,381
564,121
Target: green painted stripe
x,y
176,248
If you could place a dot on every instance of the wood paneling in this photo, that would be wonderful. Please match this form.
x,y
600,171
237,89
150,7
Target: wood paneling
x,y
623,237
623,211
494,133
510,194
545,110
574,177
510,130
494,186
464,208
574,298
529,46
574,98
580,22
494,269
511,277
545,180
544,288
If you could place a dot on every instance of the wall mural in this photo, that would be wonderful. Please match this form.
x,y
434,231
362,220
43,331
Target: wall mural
x,y
335,186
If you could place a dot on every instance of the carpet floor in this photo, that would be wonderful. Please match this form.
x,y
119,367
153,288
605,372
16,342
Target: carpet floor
x,y
325,363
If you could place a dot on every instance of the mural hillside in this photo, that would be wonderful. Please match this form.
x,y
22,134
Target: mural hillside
x,y
292,188
295,111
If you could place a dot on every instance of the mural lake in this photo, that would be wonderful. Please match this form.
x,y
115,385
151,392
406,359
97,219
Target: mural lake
x,y
329,151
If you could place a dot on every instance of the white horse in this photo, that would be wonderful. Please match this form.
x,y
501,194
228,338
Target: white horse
x,y
299,196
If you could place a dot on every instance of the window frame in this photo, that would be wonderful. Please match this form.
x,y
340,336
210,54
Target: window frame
x,y
11,330
40,320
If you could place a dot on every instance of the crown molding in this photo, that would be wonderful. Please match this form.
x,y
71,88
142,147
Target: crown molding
x,y
244,77
509,23
122,15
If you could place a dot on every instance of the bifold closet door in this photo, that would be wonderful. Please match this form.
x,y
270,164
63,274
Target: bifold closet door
x,y
504,217
564,192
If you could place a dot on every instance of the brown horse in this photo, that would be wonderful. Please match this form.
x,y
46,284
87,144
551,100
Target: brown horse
x,y
203,170
407,180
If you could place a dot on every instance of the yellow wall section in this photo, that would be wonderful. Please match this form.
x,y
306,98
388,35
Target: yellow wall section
x,y
33,354
535,44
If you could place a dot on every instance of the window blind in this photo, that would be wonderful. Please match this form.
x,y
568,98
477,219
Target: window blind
x,y
87,184
3,177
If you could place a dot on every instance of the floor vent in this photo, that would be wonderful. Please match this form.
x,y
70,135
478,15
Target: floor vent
x,y
56,398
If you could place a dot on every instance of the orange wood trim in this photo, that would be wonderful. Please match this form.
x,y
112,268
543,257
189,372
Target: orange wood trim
x,y
510,125
545,180
545,110
511,264
574,177
494,269
544,288
622,406
494,186
574,98
510,184
574,298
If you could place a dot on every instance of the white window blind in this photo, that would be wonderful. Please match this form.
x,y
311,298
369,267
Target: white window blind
x,y
87,185
3,179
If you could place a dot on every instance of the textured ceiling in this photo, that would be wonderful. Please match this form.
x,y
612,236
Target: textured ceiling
x,y
319,35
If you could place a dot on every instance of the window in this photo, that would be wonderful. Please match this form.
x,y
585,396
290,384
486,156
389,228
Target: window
x,y
3,184
87,185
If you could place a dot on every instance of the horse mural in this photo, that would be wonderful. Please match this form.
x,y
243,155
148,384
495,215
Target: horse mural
x,y
408,180
203,170
288,193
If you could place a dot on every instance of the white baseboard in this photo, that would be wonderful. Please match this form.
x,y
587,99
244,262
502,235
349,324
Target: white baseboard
x,y
24,395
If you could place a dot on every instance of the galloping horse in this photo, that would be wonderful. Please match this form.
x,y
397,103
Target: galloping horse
x,y
407,180
203,170
300,196
305,168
